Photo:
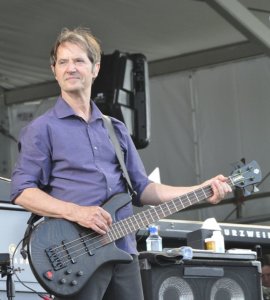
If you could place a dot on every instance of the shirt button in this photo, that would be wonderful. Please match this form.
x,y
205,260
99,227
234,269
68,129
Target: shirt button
x,y
95,147
110,189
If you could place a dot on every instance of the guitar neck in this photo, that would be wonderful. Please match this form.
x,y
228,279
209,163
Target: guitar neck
x,y
146,217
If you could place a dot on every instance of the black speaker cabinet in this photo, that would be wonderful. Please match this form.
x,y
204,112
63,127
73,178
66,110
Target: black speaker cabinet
x,y
202,279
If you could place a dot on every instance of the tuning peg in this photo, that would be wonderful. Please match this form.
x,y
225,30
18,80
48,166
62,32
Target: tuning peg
x,y
255,189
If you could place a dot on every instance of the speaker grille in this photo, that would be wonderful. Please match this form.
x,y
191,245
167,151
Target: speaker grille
x,y
175,288
226,288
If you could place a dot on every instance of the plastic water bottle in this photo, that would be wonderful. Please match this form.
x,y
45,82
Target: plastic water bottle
x,y
154,241
219,241
185,251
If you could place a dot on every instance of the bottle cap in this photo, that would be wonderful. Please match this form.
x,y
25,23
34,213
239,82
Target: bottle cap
x,y
187,252
153,229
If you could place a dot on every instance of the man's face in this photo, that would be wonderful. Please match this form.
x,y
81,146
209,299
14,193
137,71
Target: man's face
x,y
73,70
266,276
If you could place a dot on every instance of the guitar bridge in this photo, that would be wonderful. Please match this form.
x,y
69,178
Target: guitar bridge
x,y
54,258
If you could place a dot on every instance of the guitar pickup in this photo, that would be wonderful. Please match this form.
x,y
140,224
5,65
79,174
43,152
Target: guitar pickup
x,y
65,247
83,241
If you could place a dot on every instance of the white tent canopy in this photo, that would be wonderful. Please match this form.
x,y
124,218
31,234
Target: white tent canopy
x,y
160,30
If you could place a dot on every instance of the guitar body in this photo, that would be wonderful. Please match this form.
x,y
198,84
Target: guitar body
x,y
75,259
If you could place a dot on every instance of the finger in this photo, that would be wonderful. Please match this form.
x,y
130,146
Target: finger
x,y
228,188
216,193
107,217
98,229
102,225
219,192
221,177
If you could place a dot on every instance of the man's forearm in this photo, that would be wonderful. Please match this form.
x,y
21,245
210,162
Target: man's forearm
x,y
156,193
40,203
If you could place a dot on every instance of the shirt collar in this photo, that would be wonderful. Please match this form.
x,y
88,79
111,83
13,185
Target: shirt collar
x,y
63,110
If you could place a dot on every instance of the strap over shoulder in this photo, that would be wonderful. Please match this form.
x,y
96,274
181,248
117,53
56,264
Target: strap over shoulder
x,y
108,123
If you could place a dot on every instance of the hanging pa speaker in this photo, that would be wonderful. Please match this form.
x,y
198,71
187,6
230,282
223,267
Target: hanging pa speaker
x,y
200,279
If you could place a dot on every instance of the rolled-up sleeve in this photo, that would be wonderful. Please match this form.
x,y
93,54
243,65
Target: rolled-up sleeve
x,y
33,165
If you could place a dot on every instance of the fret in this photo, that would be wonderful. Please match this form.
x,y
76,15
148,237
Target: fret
x,y
113,233
129,229
153,213
140,216
196,196
203,190
179,203
116,230
138,225
175,207
145,217
162,212
123,229
133,224
110,236
167,205
182,201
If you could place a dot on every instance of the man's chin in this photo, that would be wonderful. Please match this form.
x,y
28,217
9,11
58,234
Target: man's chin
x,y
72,89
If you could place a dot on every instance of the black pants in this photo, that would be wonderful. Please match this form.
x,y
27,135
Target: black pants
x,y
113,282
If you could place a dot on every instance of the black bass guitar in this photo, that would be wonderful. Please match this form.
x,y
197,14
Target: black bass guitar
x,y
64,256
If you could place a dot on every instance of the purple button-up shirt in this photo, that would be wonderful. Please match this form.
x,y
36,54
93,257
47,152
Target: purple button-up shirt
x,y
75,161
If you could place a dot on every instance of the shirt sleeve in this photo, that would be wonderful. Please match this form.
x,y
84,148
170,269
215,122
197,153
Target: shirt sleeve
x,y
134,164
33,165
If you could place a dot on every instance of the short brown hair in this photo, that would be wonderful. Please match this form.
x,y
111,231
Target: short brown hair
x,y
82,37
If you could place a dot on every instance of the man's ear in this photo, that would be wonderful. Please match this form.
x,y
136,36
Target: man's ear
x,y
53,70
96,69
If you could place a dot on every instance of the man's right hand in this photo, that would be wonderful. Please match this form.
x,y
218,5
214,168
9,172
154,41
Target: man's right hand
x,y
94,217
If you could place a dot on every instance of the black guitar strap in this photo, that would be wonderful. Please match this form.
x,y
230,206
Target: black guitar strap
x,y
119,153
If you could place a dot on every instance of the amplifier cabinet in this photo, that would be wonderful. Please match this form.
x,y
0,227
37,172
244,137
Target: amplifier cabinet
x,y
202,279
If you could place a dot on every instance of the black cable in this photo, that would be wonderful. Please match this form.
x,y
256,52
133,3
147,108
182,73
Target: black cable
x,y
14,272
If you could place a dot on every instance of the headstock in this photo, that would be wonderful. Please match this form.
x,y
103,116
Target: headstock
x,y
247,176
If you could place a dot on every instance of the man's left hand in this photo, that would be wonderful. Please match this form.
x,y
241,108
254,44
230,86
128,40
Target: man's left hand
x,y
220,188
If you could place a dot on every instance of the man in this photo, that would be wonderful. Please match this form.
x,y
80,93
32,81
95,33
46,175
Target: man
x,y
266,281
266,275
67,167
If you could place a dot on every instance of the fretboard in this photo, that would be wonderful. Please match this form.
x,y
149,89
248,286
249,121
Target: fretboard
x,y
149,216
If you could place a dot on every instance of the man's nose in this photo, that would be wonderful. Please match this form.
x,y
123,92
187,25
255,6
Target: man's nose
x,y
71,67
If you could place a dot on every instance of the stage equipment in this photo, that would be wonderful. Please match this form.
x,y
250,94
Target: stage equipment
x,y
210,277
121,90
4,261
14,220
174,234
4,189
7,270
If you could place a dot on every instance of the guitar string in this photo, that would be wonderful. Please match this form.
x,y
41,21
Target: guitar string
x,y
102,240
156,208
105,238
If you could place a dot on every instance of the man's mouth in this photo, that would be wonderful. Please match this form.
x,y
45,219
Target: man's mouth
x,y
72,77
